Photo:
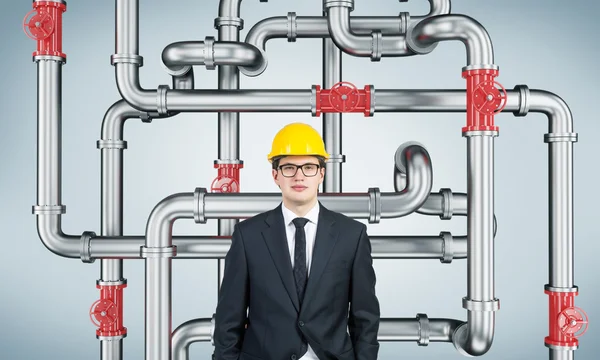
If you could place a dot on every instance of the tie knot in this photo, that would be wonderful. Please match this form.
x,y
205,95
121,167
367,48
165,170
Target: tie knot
x,y
300,222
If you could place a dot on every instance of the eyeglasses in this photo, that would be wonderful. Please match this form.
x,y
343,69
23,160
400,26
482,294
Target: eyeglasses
x,y
290,170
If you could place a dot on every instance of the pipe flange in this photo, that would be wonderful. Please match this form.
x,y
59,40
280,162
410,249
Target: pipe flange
x,y
111,283
491,133
199,213
48,209
39,58
158,252
481,67
473,305
111,144
127,58
229,21
292,27
337,158
313,100
376,45
523,100
212,330
573,289
558,347
447,208
374,205
228,162
338,3
86,251
447,248
161,99
112,338
372,104
404,20
209,53
424,330
560,137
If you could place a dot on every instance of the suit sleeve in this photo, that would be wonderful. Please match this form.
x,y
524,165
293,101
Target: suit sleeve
x,y
364,317
231,313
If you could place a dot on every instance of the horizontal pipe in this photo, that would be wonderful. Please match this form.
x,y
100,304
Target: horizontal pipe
x,y
418,330
187,333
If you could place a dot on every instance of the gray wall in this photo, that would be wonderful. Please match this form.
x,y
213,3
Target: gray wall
x,y
45,299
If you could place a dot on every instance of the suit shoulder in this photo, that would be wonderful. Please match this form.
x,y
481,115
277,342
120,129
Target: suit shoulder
x,y
253,221
348,222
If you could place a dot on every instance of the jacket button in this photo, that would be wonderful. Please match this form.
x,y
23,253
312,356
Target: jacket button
x,y
293,357
301,323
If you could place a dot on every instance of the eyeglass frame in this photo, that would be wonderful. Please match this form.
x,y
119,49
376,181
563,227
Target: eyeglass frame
x,y
299,167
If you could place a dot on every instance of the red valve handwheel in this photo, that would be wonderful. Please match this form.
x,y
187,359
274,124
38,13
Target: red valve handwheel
x,y
103,312
572,322
39,26
344,96
224,184
489,97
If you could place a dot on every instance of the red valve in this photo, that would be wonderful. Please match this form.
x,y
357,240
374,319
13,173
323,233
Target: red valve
x,y
343,97
228,178
107,312
566,321
485,98
44,24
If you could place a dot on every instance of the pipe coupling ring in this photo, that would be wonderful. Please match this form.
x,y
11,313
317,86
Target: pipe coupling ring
x,y
447,208
374,205
447,248
292,27
404,20
523,100
111,144
372,104
489,305
424,329
313,100
229,21
338,3
111,283
127,58
158,252
573,289
337,158
48,209
199,214
481,67
161,99
212,330
86,250
560,137
209,53
39,58
376,45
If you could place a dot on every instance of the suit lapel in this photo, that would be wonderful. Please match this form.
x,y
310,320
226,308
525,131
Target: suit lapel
x,y
276,240
325,239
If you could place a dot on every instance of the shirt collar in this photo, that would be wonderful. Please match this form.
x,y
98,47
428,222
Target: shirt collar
x,y
312,215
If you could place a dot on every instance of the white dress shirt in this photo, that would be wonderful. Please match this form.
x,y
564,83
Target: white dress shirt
x,y
310,230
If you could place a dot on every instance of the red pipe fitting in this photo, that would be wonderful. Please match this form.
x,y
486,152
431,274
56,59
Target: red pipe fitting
x,y
44,24
107,313
485,98
566,322
228,178
343,97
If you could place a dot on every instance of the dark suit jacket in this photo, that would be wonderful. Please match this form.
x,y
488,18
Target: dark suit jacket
x,y
258,276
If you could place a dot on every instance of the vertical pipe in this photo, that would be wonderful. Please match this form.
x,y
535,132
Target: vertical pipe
x,y
127,27
332,122
557,354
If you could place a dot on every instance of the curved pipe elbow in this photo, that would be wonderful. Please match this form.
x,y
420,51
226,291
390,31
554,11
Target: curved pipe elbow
x,y
49,231
190,332
338,22
114,120
475,337
423,36
553,106
436,7
128,83
159,230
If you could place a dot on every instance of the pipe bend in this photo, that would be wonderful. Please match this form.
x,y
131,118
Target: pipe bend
x,y
422,37
128,83
559,115
160,222
475,337
338,22
114,120
187,333
50,232
436,7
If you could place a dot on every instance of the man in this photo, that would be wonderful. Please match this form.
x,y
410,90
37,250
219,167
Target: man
x,y
296,269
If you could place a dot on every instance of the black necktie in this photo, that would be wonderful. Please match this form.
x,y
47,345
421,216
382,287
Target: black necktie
x,y
300,271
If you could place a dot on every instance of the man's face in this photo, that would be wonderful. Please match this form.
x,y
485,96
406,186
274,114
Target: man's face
x,y
299,189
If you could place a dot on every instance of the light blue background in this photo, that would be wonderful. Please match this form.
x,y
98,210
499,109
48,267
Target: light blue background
x,y
546,45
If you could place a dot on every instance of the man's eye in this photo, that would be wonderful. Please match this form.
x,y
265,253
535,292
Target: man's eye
x,y
309,167
288,167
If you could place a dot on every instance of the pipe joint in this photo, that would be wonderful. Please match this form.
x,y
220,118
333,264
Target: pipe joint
x,y
209,53
111,144
376,45
161,99
292,27
523,100
574,289
229,21
374,205
48,209
424,329
212,330
338,3
336,158
447,208
404,21
560,137
127,58
488,305
158,252
447,247
199,209
86,251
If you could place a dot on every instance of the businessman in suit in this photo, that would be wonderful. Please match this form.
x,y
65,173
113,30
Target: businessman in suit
x,y
299,282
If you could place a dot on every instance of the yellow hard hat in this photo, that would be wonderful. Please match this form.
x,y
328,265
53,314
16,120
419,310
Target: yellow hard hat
x,y
297,139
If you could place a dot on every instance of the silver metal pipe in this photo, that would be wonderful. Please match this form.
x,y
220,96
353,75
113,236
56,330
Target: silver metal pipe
x,y
420,329
374,46
437,7
424,35
436,203
190,332
332,122
111,349
127,27
158,252
556,354
50,232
